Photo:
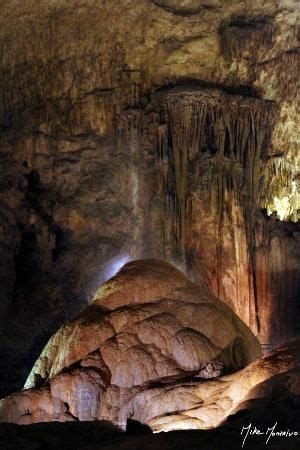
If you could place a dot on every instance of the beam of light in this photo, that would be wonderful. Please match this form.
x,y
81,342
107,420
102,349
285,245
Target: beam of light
x,y
115,265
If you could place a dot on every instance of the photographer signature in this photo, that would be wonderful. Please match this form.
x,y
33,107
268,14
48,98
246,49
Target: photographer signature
x,y
271,432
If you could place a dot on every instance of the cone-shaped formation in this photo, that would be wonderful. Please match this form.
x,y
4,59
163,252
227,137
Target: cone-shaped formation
x,y
149,325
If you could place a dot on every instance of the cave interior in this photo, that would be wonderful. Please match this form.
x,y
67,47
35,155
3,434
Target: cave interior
x,y
149,216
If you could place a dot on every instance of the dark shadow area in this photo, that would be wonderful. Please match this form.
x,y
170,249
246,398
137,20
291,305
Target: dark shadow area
x,y
189,82
103,435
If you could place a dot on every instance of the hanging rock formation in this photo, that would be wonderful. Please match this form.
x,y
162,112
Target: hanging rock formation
x,y
212,150
145,129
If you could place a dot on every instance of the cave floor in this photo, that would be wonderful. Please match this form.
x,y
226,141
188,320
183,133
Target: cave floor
x,y
103,435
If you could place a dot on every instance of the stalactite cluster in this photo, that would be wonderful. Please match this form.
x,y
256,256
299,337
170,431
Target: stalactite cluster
x,y
71,88
243,37
281,196
231,132
103,159
253,49
211,155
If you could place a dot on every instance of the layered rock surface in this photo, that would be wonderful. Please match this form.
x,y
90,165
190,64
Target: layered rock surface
x,y
140,352
147,330
95,170
206,405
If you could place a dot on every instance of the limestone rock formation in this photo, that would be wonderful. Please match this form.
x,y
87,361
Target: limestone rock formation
x,y
117,361
206,405
148,328
145,129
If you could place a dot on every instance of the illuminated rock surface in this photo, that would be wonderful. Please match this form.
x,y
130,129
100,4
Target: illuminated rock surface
x,y
264,394
116,366
147,329
136,129
206,405
138,351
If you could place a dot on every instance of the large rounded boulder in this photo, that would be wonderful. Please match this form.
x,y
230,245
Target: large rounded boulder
x,y
148,326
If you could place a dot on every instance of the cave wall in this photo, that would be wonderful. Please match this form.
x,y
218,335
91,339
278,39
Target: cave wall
x,y
102,160
200,193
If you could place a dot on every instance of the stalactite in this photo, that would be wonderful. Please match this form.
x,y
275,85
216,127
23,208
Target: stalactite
x,y
280,184
241,36
130,125
227,138
61,78
186,125
162,141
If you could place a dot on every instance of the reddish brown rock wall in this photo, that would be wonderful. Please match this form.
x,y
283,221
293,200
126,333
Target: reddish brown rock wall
x,y
83,157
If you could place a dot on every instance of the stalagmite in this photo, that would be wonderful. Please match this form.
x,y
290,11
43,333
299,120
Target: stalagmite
x,y
162,129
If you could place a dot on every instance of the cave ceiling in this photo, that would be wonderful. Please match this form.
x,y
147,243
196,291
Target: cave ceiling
x,y
132,47
146,129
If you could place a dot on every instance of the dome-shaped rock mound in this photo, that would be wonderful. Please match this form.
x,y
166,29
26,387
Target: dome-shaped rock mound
x,y
148,326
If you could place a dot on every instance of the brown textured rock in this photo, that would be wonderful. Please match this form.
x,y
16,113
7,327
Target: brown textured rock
x,y
81,181
187,7
147,326
267,389
207,405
